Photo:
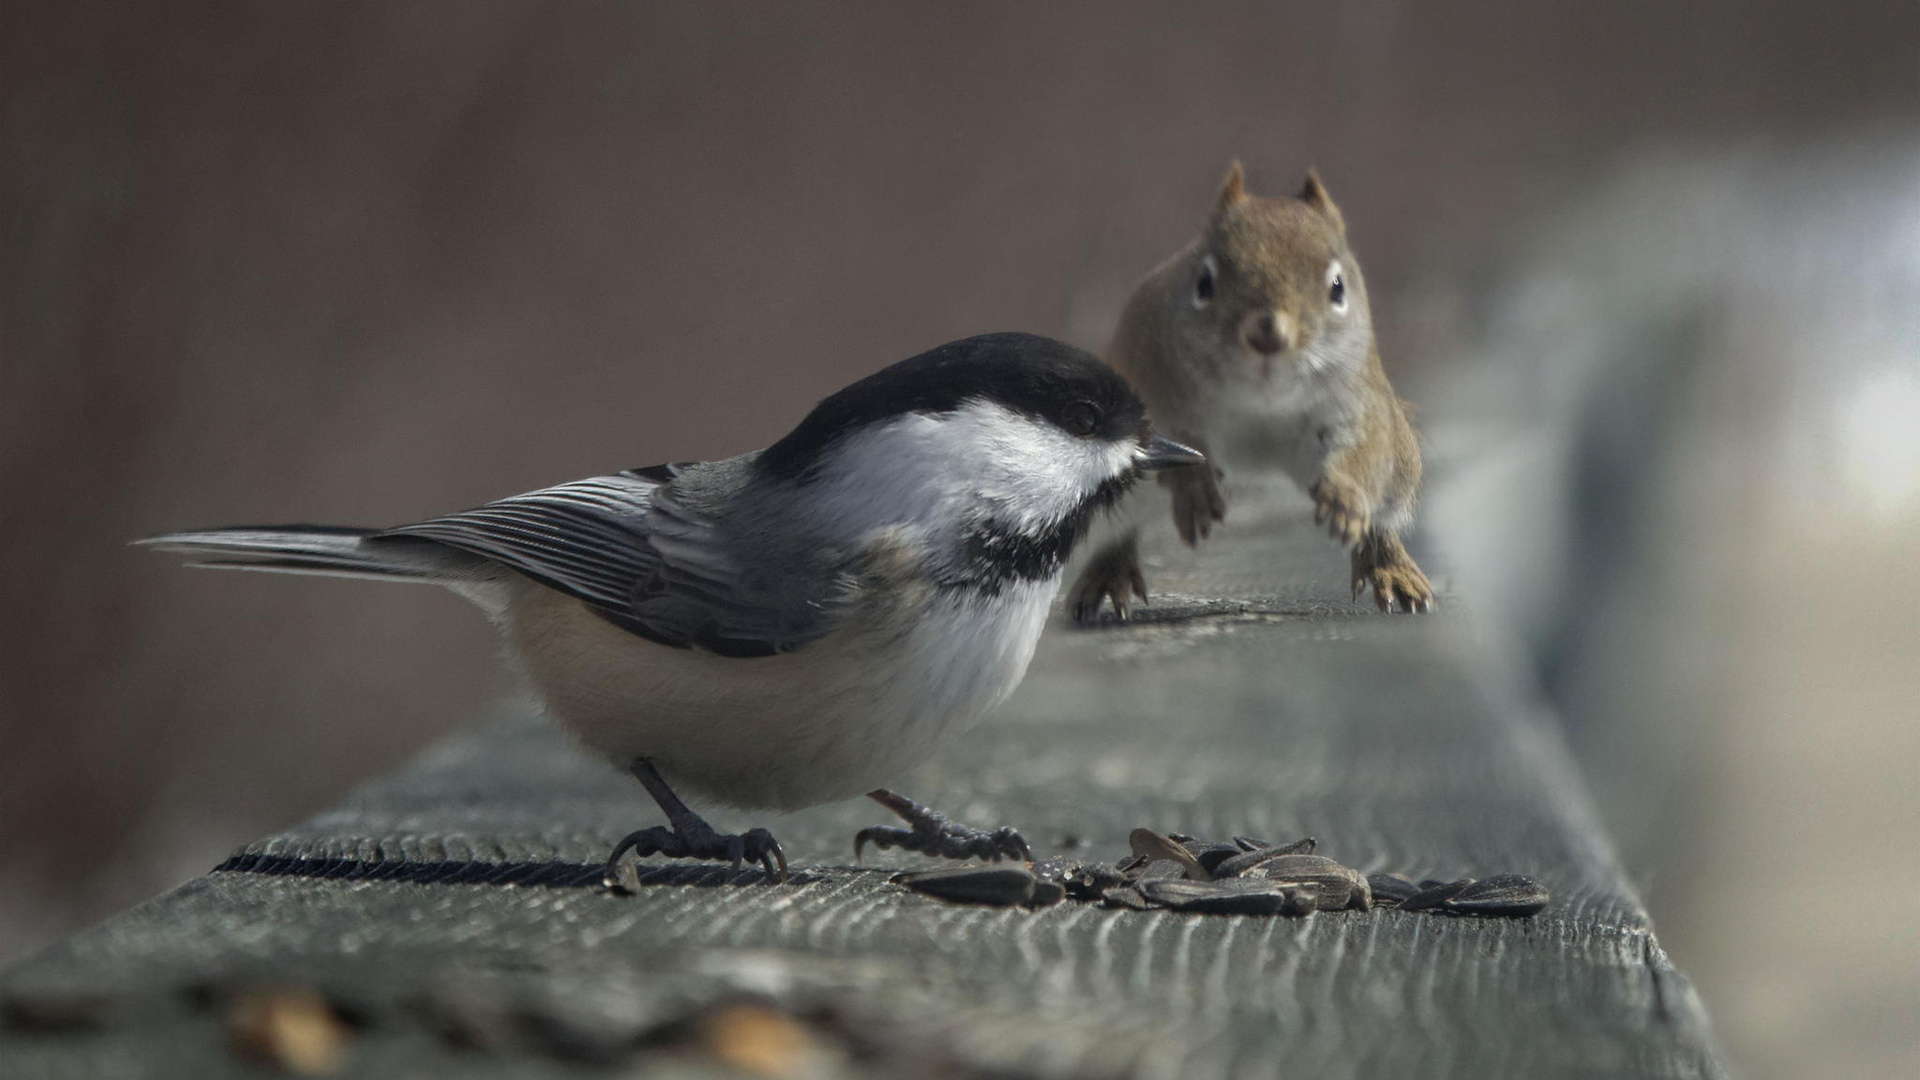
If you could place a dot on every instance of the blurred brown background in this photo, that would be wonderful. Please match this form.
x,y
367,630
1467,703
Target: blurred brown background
x,y
1650,270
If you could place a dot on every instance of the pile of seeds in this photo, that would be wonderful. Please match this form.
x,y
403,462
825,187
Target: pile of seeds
x,y
1241,877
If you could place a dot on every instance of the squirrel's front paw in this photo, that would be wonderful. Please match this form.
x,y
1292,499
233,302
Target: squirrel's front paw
x,y
1198,501
1114,573
1341,510
1386,568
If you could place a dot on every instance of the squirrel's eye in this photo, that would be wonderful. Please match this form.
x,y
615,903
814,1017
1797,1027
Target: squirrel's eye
x,y
1203,285
1080,418
1336,288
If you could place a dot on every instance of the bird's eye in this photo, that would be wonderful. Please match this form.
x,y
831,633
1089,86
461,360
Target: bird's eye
x,y
1203,285
1080,418
1336,288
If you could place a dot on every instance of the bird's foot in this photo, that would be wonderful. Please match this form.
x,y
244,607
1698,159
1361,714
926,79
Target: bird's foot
x,y
930,832
688,836
695,839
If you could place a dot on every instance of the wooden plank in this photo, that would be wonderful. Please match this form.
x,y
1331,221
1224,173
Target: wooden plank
x,y
1400,743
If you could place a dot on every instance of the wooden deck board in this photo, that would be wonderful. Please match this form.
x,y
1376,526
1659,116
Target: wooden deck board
x,y
1401,744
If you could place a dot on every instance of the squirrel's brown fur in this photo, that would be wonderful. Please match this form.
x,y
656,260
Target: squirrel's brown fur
x,y
1255,344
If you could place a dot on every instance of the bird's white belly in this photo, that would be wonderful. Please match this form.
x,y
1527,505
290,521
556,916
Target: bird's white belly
x,y
837,718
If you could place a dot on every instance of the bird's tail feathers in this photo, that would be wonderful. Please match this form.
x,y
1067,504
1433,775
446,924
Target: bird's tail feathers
x,y
321,549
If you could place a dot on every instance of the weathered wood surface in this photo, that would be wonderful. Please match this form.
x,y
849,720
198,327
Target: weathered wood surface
x,y
1401,743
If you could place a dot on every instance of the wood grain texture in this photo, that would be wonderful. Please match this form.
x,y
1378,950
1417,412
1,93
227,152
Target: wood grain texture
x,y
1402,743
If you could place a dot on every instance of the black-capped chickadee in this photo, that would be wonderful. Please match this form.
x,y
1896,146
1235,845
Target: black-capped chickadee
x,y
798,624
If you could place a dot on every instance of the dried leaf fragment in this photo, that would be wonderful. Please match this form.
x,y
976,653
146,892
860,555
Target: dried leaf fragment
x,y
291,1027
759,1040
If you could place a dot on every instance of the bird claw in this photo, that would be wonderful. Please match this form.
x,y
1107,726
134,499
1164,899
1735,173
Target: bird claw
x,y
697,840
930,832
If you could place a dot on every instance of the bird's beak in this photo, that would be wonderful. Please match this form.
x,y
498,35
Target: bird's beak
x,y
1164,453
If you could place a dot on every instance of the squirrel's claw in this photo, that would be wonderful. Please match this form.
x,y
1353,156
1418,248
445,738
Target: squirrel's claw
x,y
1382,564
1198,501
1113,574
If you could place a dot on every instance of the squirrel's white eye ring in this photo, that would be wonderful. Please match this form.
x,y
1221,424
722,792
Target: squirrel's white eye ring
x,y
1203,285
1336,288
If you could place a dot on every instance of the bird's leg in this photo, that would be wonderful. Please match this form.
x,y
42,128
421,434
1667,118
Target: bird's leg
x,y
931,833
688,836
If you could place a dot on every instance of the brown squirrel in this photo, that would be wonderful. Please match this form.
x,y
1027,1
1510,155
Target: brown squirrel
x,y
1254,344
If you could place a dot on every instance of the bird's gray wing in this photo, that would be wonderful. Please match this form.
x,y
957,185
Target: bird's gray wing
x,y
646,560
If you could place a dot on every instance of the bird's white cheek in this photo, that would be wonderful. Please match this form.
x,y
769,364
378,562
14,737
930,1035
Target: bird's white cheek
x,y
1044,475
940,472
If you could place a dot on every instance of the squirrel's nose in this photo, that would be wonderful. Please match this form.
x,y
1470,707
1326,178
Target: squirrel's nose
x,y
1270,333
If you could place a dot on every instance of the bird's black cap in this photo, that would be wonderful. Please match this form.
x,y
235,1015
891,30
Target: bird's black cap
x,y
1025,373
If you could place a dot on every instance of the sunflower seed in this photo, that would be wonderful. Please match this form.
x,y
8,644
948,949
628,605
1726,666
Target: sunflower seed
x,y
1001,886
1509,895
1432,895
1295,862
1210,856
1152,846
1217,897
1162,870
1046,894
1390,889
1302,900
1340,886
1331,894
1090,880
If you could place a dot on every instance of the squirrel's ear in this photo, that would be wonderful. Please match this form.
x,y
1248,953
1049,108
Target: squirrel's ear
x,y
1314,194
1233,189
